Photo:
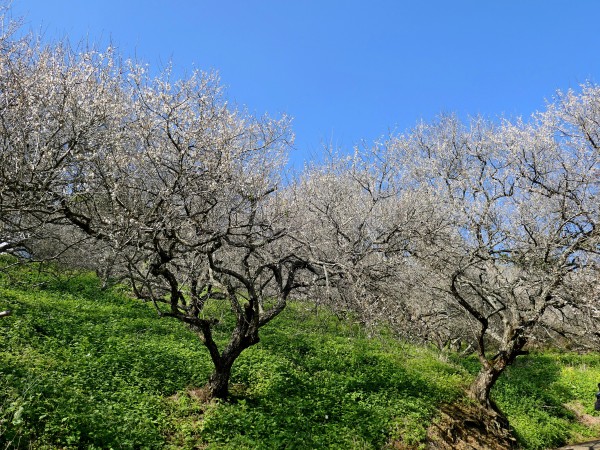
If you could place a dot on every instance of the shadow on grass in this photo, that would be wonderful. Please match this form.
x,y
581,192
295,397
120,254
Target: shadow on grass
x,y
533,393
304,389
101,368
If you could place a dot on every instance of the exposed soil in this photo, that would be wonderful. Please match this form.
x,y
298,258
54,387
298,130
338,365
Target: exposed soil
x,y
466,426
201,395
590,445
583,418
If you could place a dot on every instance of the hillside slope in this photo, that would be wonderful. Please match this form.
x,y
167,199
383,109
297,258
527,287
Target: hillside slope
x,y
86,368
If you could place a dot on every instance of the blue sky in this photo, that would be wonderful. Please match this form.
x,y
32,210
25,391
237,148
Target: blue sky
x,y
350,70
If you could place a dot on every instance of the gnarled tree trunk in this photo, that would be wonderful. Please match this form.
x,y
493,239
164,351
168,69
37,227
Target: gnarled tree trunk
x,y
481,387
218,383
244,336
480,391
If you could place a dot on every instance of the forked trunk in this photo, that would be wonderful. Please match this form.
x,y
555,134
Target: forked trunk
x,y
218,383
492,368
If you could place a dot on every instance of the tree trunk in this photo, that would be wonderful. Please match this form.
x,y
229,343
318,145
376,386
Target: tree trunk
x,y
218,383
481,387
492,369
480,392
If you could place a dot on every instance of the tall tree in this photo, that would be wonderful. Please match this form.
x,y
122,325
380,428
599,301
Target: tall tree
x,y
179,189
185,191
521,243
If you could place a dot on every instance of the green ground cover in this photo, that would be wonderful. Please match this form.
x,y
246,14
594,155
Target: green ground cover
x,y
86,368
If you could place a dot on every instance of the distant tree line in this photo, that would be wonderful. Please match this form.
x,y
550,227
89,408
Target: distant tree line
x,y
479,236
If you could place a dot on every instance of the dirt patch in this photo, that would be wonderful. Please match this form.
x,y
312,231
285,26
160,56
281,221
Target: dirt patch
x,y
589,445
201,394
585,419
466,426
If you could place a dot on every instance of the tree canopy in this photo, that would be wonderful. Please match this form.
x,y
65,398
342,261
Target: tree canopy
x,y
483,232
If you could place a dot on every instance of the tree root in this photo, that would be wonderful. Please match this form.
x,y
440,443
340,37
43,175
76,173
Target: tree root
x,y
467,426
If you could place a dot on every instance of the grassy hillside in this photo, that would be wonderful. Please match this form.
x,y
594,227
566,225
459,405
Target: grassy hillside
x,y
85,368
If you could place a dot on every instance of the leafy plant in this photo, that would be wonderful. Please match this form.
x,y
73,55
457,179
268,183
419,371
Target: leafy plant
x,y
83,367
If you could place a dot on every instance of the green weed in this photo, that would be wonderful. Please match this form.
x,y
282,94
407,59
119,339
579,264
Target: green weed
x,y
85,368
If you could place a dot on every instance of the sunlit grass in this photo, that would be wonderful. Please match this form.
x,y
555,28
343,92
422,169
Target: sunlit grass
x,y
86,368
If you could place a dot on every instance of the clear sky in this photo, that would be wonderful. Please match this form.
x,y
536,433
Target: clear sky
x,y
350,70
